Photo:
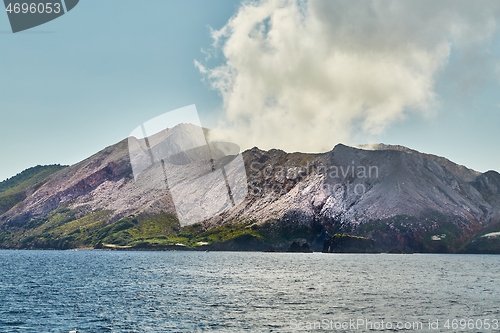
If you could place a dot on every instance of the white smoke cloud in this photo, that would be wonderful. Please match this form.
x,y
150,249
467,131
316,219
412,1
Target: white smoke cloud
x,y
305,75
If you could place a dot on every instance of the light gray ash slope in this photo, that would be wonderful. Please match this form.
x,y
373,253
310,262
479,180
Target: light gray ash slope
x,y
407,198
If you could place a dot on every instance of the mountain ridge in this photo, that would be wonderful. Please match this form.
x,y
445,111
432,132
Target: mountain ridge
x,y
459,170
411,201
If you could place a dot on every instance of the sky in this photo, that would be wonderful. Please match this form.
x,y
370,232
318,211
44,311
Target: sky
x,y
296,75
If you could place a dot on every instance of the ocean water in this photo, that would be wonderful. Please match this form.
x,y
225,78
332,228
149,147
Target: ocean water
x,y
107,291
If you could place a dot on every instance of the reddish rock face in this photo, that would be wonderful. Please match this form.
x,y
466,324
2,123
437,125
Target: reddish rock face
x,y
393,195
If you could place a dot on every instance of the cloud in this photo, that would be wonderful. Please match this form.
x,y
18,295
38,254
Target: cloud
x,y
305,75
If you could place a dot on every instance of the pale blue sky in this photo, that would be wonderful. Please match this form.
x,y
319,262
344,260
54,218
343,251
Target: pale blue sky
x,y
84,81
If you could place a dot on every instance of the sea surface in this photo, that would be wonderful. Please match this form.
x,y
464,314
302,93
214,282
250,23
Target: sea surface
x,y
115,291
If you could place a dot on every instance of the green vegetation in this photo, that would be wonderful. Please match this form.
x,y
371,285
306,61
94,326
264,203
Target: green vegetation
x,y
483,245
13,190
163,230
65,228
62,228
486,245
227,232
275,231
346,236
343,243
29,177
9,200
430,233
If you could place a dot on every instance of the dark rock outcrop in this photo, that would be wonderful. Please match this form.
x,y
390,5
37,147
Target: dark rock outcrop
x,y
297,248
270,248
240,243
342,243
398,197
